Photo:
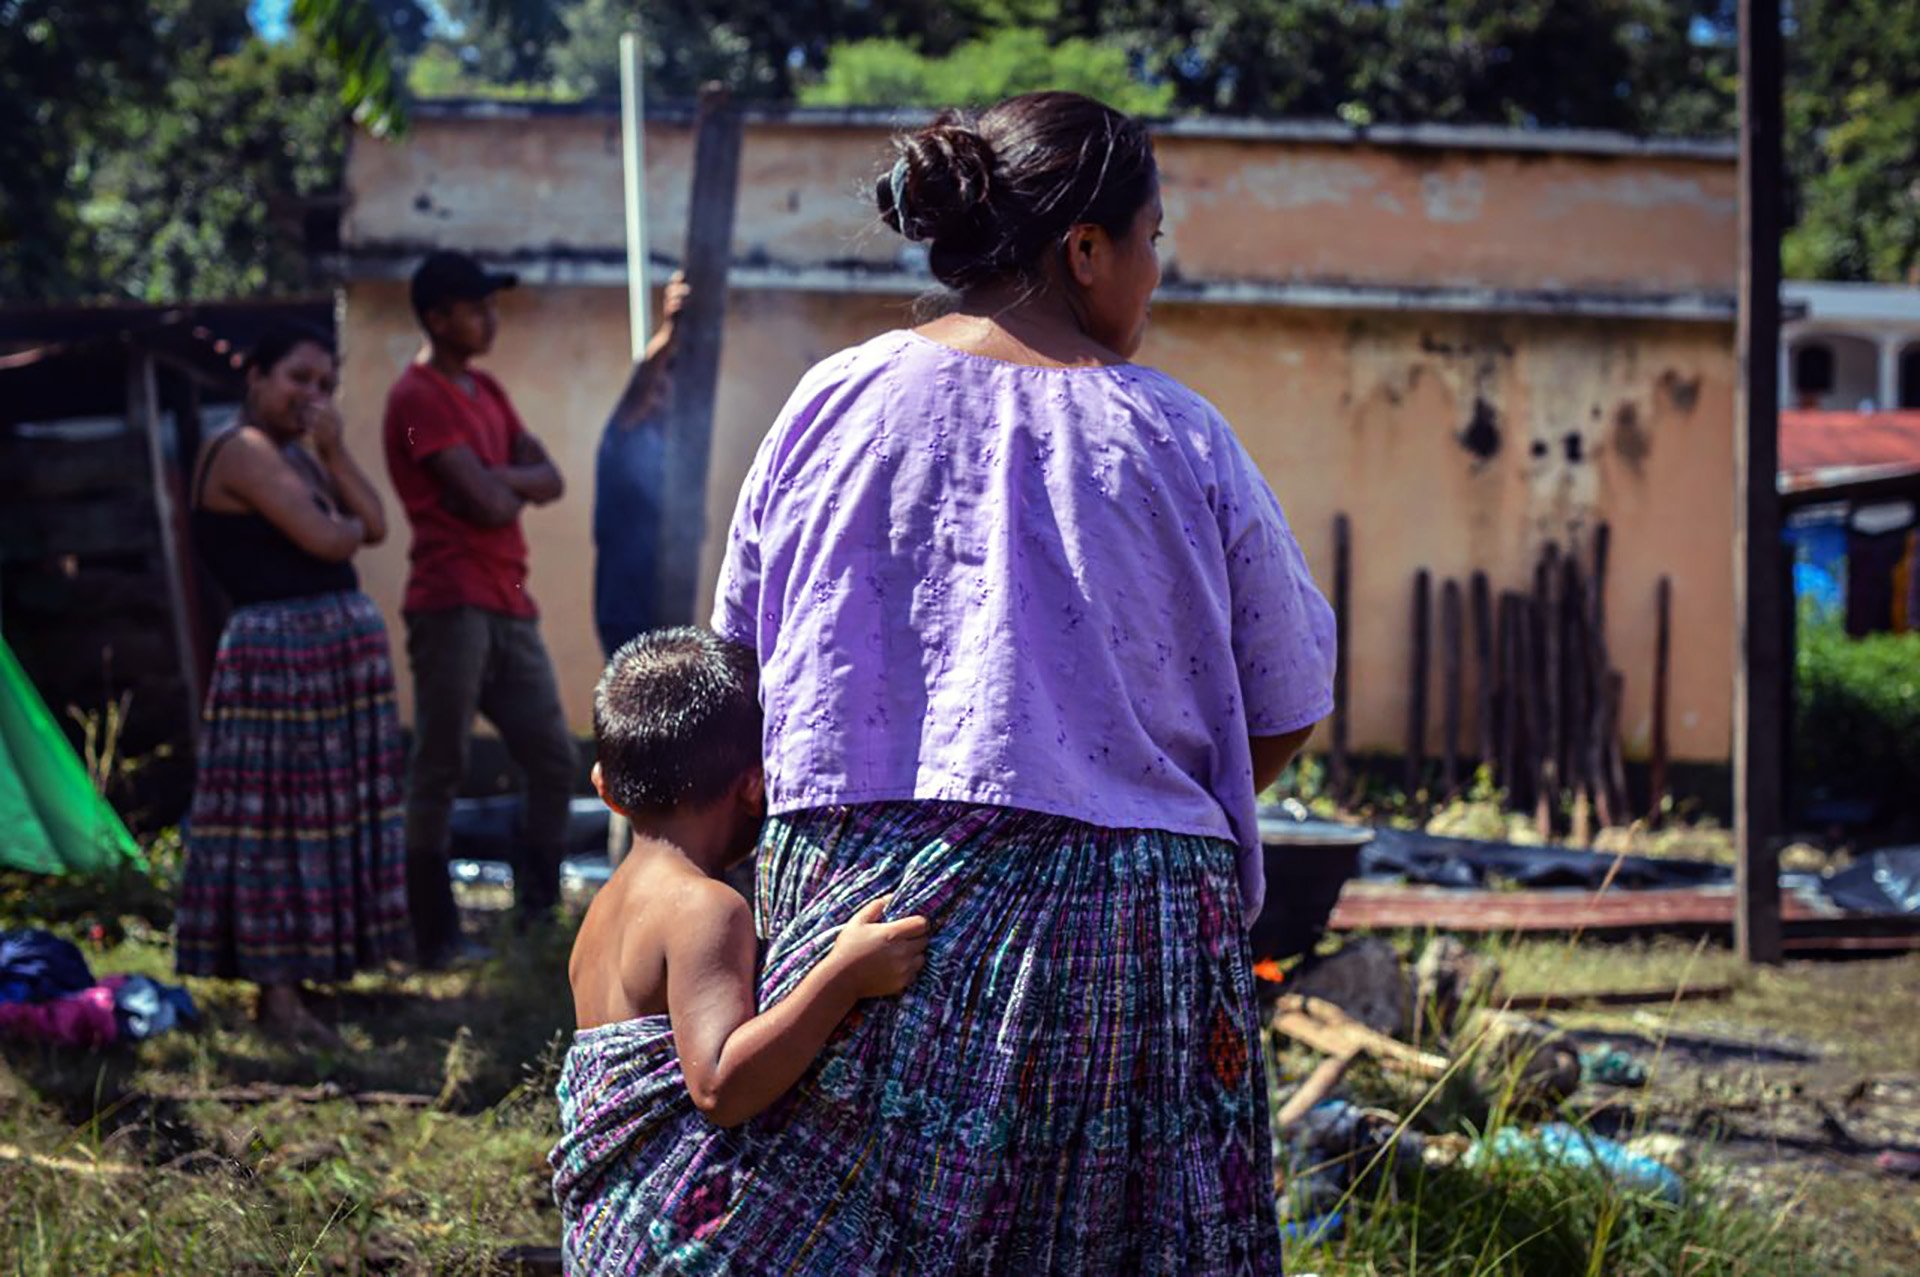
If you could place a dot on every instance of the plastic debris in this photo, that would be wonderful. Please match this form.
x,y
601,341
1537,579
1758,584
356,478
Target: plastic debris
x,y
1558,1143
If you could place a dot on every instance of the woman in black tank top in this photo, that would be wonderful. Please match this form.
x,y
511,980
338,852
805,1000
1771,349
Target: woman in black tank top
x,y
295,865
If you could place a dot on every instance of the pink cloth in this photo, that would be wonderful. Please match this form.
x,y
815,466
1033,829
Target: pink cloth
x,y
83,1019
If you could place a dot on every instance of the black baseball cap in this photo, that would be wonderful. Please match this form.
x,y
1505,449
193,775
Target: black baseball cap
x,y
448,276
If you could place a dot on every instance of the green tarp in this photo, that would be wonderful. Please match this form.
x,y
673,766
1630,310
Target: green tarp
x,y
52,821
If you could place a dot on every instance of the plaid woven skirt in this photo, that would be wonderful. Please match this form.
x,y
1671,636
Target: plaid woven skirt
x,y
1072,1085
296,867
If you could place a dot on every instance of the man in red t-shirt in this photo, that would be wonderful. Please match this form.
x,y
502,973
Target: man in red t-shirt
x,y
464,465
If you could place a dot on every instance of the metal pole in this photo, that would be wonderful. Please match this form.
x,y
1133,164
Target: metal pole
x,y
633,167
1760,659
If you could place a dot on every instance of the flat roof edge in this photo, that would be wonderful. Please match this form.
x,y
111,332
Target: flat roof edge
x,y
608,270
1465,137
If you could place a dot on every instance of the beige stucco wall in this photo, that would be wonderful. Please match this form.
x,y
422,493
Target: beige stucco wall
x,y
1236,210
1344,411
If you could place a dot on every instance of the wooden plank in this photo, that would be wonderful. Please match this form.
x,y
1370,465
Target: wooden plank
x,y
87,594
1342,615
1325,1027
74,658
1760,666
1566,1001
689,443
1450,690
1485,728
101,526
47,469
1380,906
1317,1086
1416,761
1662,663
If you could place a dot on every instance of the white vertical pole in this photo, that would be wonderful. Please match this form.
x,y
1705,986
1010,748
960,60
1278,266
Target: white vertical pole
x,y
633,164
1887,362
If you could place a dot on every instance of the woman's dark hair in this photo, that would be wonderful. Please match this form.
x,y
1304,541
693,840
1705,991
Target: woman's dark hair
x,y
280,340
676,719
992,195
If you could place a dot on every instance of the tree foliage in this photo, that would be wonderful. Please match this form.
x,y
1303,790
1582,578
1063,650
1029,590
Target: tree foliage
x,y
1853,129
158,148
979,72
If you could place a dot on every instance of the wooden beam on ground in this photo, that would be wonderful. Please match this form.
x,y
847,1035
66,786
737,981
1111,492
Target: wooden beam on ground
x,y
1619,997
1317,1086
1807,928
67,1165
1759,765
689,445
1326,1028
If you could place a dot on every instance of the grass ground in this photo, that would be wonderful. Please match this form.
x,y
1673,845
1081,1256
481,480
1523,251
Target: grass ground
x,y
212,1151
1779,1094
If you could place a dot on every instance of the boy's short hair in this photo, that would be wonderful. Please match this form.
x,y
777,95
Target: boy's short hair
x,y
676,718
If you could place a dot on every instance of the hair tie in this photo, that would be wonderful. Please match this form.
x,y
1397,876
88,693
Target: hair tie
x,y
898,181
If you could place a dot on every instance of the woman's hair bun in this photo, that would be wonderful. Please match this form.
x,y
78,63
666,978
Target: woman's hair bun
x,y
992,195
940,187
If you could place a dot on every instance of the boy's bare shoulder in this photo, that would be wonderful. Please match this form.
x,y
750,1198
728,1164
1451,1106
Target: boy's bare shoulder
x,y
698,898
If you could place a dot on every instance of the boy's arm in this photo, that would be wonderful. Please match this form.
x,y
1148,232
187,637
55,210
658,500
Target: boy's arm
x,y
471,490
530,472
737,1063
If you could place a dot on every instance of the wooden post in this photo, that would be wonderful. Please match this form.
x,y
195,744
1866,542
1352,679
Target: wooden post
x,y
1573,677
1662,657
1527,692
1342,617
683,523
1417,684
1546,742
1525,686
1483,676
1604,732
1450,691
1509,697
1759,731
1616,763
143,414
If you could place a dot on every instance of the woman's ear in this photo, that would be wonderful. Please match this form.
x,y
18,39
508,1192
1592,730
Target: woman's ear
x,y
1085,244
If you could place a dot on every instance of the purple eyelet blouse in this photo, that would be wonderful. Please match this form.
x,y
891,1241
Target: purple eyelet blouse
x,y
1067,590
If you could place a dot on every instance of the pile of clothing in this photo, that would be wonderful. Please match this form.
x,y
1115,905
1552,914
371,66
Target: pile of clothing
x,y
48,994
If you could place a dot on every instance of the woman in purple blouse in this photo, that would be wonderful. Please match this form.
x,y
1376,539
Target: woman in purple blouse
x,y
1032,633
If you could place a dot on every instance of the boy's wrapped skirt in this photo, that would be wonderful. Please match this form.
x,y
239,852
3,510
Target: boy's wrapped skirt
x,y
1073,1085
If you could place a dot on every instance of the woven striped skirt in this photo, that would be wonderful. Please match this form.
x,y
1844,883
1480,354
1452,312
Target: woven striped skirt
x,y
1072,1085
296,868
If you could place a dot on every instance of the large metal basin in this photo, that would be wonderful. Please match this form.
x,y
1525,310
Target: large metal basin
x,y
1307,862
